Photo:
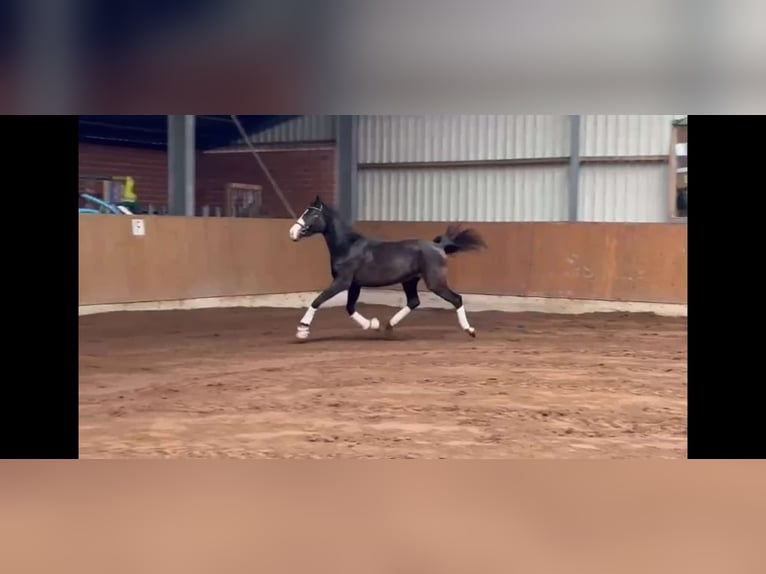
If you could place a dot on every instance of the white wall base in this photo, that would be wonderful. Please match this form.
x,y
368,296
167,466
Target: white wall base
x,y
396,299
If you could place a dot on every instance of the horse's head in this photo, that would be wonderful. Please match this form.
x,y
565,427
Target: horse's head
x,y
312,221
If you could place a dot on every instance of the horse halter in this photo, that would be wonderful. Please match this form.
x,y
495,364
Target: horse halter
x,y
299,228
300,220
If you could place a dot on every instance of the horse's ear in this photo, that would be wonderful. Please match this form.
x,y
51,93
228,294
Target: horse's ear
x,y
317,201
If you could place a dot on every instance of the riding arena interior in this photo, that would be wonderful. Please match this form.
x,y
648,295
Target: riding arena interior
x,y
308,335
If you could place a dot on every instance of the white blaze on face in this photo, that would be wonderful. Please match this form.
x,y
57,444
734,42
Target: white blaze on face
x,y
295,230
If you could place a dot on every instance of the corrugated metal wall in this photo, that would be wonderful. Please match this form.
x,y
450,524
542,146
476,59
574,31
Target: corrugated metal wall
x,y
523,193
625,135
299,130
394,139
622,191
467,193
629,192
625,193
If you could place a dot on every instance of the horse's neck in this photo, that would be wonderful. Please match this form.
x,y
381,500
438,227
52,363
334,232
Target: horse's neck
x,y
339,237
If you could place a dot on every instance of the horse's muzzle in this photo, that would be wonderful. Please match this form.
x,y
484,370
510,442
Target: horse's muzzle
x,y
296,232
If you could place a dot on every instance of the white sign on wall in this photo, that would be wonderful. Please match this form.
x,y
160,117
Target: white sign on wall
x,y
138,227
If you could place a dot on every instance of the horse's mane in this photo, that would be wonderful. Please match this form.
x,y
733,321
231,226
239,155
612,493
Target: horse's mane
x,y
341,224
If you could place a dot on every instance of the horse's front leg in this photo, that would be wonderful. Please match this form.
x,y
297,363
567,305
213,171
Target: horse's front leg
x,y
359,319
337,286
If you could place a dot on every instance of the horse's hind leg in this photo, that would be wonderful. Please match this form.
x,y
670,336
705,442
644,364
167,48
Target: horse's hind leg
x,y
413,301
437,282
353,297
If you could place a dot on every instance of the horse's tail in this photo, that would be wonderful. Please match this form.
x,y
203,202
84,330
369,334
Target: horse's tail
x,y
456,240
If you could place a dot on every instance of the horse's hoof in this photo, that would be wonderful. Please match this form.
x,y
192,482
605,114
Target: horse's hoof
x,y
302,333
389,327
374,324
471,331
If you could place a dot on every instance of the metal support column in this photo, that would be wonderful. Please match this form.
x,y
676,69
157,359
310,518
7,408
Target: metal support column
x,y
346,186
181,170
574,166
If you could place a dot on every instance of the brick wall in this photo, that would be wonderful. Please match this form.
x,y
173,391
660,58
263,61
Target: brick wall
x,y
148,167
300,174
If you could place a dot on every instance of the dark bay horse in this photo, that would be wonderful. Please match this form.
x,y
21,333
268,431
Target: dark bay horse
x,y
357,261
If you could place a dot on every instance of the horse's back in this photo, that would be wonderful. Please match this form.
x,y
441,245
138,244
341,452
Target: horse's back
x,y
388,262
403,247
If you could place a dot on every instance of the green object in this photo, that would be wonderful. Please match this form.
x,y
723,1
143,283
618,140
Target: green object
x,y
133,206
